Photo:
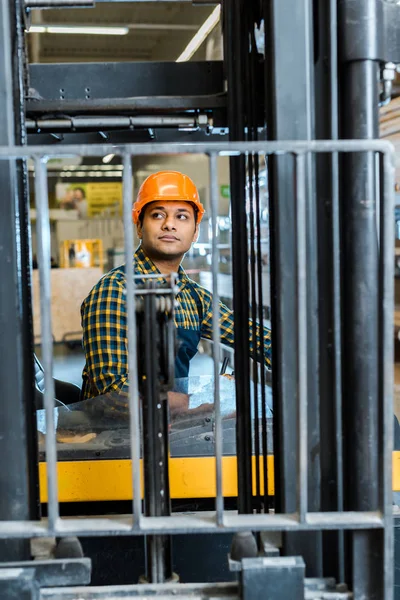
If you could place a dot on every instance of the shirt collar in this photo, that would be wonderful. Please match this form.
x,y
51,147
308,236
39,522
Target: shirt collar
x,y
144,265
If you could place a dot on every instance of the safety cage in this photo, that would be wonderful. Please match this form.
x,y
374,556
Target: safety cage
x,y
377,452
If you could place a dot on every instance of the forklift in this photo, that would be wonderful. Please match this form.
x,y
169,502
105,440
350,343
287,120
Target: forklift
x,y
305,508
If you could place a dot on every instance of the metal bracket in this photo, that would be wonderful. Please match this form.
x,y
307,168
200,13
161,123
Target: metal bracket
x,y
18,583
388,74
47,573
370,30
278,578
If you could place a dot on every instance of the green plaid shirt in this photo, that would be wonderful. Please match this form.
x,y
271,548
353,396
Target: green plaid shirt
x,y
104,323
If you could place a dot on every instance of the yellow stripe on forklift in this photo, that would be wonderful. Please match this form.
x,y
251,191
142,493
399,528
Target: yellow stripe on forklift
x,y
96,480
190,477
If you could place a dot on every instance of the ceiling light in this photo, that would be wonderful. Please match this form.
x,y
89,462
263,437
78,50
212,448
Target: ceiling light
x,y
201,35
108,158
37,29
78,29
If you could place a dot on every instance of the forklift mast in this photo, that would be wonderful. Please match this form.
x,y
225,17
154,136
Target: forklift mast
x,y
304,105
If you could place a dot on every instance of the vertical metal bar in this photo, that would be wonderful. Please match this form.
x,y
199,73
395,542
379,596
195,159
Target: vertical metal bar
x,y
236,43
361,317
264,428
302,346
133,398
291,117
386,397
19,498
251,103
362,32
329,308
44,262
155,443
151,444
213,166
253,301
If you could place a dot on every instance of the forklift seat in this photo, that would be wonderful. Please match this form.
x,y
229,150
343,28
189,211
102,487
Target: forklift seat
x,y
65,392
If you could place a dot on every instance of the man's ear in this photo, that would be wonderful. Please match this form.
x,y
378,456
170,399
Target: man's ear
x,y
139,230
196,234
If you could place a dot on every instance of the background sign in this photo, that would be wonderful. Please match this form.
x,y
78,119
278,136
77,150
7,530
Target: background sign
x,y
91,199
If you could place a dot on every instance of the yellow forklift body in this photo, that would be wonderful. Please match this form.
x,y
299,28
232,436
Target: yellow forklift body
x,y
190,477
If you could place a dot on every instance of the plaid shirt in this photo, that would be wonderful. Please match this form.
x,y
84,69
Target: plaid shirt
x,y
104,323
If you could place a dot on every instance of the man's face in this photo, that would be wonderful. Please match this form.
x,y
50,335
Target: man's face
x,y
168,229
78,195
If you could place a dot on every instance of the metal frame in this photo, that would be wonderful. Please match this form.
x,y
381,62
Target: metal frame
x,y
360,59
329,311
19,500
300,520
291,116
88,81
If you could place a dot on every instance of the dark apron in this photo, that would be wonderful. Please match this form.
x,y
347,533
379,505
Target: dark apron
x,y
187,341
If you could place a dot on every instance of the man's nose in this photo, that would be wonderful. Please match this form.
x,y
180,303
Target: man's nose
x,y
169,223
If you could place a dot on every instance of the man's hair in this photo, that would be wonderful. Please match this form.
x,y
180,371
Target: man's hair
x,y
79,189
141,214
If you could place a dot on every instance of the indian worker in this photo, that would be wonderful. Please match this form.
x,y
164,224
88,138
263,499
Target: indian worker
x,y
167,214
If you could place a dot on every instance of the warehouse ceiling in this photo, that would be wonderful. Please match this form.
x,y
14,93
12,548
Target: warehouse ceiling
x,y
158,31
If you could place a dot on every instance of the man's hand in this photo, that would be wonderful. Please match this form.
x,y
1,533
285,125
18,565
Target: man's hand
x,y
178,403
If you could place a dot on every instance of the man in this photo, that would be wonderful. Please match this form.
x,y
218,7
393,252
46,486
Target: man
x,y
81,203
167,214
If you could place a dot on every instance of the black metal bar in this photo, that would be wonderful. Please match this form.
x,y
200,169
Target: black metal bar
x,y
234,56
259,269
290,116
359,104
250,99
20,82
76,81
146,104
155,445
18,491
254,332
264,428
327,181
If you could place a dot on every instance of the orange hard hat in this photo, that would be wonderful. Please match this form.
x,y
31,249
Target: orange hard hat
x,y
167,185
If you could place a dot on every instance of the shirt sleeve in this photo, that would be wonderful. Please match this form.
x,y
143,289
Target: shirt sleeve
x,y
104,324
226,324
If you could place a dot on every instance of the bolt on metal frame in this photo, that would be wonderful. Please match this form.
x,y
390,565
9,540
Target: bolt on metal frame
x,y
301,520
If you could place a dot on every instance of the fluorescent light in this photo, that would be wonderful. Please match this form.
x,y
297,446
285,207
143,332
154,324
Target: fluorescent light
x,y
87,30
108,158
201,35
78,29
37,29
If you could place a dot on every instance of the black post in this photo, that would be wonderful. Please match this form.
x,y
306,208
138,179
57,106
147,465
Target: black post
x,y
327,188
236,42
290,116
359,106
155,439
18,487
360,268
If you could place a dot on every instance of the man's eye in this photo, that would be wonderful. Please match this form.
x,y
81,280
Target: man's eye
x,y
182,217
157,215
